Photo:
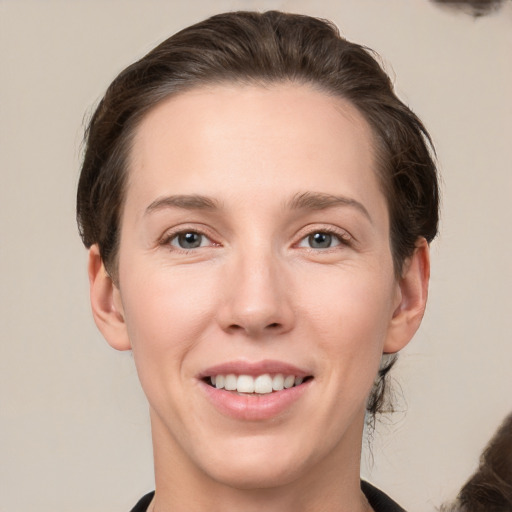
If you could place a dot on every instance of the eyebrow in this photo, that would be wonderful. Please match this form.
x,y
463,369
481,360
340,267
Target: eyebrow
x,y
302,201
186,202
322,201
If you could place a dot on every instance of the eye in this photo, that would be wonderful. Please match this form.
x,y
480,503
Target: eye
x,y
321,240
189,240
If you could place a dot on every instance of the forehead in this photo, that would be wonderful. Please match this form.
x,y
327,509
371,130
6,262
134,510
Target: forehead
x,y
228,139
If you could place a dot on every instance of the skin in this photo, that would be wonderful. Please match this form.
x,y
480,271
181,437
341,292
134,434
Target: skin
x,y
255,289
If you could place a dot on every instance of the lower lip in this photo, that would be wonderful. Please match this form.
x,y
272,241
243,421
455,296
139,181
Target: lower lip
x,y
254,407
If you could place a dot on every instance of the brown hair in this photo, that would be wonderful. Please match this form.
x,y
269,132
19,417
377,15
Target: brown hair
x,y
261,48
490,488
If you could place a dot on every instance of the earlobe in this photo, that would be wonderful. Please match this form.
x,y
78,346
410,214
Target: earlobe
x,y
412,299
107,308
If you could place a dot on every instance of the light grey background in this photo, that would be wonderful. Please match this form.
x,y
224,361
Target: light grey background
x,y
74,433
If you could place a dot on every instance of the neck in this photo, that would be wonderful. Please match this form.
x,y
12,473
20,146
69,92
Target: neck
x,y
331,485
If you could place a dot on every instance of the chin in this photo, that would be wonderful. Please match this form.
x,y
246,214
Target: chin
x,y
246,476
259,467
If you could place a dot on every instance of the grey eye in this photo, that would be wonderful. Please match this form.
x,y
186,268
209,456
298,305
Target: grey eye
x,y
320,240
190,240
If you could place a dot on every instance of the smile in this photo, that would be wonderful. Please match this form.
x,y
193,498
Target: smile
x,y
255,391
259,384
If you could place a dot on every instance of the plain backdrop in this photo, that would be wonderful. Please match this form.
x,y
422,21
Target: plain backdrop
x,y
74,429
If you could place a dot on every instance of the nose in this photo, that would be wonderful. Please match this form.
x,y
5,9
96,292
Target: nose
x,y
256,296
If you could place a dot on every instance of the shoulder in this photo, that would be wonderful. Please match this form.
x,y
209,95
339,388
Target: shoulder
x,y
379,501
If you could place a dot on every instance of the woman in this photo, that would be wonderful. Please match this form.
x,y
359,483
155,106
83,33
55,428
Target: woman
x,y
258,205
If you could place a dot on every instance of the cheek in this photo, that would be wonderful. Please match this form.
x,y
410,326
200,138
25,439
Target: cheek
x,y
351,314
350,300
165,312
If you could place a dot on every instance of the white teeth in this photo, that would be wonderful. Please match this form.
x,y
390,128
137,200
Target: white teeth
x,y
278,382
262,384
245,384
289,381
219,381
230,383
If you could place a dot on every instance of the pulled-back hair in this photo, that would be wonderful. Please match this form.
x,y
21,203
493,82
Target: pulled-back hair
x,y
261,49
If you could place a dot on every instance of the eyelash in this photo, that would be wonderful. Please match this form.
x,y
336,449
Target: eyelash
x,y
341,236
169,237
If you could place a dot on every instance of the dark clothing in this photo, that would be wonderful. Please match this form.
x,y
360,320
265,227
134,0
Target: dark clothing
x,y
379,501
143,503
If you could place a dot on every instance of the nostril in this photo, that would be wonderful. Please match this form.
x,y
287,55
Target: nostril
x,y
254,329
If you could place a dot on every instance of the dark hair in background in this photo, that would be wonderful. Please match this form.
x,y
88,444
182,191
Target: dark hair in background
x,y
490,488
261,49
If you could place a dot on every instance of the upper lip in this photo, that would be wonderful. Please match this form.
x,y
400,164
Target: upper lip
x,y
253,368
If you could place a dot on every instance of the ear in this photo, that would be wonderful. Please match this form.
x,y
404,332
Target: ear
x,y
106,304
411,299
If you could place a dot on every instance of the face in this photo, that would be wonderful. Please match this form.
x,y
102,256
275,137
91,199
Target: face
x,y
256,282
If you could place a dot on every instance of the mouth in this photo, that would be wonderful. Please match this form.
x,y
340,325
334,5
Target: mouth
x,y
262,384
255,391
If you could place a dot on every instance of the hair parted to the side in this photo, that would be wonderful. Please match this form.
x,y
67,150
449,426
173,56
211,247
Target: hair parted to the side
x,y
261,48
